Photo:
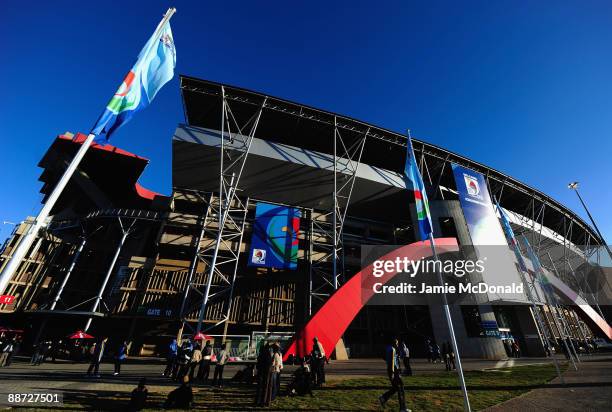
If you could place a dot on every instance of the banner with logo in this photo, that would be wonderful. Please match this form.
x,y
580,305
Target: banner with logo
x,y
274,243
486,232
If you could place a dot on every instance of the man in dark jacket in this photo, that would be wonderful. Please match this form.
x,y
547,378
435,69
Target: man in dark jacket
x,y
96,359
204,370
394,369
264,376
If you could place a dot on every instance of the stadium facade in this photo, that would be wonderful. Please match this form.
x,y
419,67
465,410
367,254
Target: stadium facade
x,y
159,265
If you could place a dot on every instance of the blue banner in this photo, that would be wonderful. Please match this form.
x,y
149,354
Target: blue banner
x,y
477,207
486,232
274,243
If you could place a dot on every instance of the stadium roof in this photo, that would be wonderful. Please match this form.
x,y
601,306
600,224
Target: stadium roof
x,y
296,124
108,177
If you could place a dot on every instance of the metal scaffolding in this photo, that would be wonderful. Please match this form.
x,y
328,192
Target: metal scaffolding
x,y
224,221
326,272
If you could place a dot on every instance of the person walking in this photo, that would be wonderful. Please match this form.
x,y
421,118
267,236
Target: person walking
x,y
183,359
405,356
171,358
120,357
39,354
446,356
436,353
221,361
204,369
317,356
277,367
393,371
96,358
451,356
516,350
430,350
263,395
7,350
55,349
17,341
196,358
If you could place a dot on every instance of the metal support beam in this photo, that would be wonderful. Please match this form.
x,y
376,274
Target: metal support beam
x,y
231,212
125,232
326,272
77,253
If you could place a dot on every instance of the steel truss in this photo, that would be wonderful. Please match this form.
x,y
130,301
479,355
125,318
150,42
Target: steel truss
x,y
561,316
326,272
127,220
210,296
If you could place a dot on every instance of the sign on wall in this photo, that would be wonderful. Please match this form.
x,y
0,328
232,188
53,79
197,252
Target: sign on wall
x,y
274,242
486,232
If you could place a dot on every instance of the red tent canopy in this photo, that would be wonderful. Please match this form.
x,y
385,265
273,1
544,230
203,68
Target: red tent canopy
x,y
79,334
201,336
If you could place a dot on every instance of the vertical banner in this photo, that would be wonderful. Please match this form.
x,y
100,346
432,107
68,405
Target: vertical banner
x,y
486,232
274,243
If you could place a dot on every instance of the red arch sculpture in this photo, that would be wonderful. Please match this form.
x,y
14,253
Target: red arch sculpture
x,y
333,318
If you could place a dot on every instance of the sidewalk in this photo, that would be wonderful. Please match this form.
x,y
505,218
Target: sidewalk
x,y
588,389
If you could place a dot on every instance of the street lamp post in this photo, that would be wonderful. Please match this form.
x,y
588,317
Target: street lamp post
x,y
574,186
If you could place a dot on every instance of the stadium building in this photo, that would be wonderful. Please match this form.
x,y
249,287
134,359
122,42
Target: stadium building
x,y
127,262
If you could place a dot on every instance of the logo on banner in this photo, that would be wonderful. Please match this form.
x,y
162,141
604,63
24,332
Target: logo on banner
x,y
473,188
275,238
259,256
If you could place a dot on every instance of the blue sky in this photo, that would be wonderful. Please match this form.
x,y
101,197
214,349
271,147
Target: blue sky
x,y
524,87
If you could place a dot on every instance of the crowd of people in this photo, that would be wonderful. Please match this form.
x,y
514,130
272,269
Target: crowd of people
x,y
183,360
191,362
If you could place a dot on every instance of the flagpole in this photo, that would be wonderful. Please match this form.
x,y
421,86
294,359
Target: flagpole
x,y
574,186
451,330
524,275
24,245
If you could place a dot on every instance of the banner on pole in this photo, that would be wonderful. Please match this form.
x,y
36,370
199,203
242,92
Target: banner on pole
x,y
486,232
274,242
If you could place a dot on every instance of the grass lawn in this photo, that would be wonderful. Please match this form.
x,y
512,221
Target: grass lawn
x,y
432,392
429,392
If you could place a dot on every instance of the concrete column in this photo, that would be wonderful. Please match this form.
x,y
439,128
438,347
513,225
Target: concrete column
x,y
529,331
477,347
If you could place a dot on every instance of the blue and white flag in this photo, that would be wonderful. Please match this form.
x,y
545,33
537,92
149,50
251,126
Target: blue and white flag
x,y
153,68
414,182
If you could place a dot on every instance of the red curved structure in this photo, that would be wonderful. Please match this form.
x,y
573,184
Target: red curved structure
x,y
333,318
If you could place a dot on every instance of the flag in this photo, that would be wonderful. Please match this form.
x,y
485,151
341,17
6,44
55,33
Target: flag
x,y
153,68
414,181
511,238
